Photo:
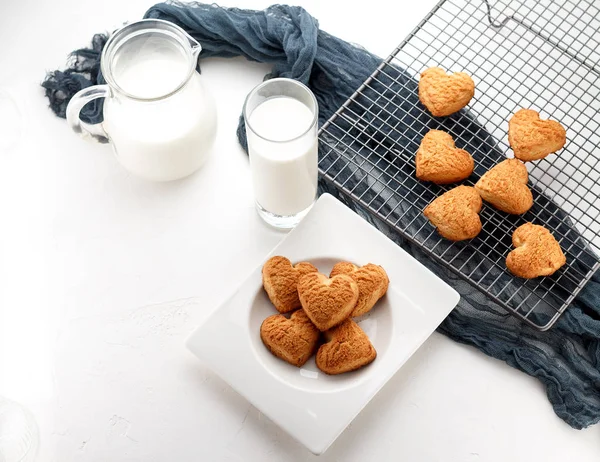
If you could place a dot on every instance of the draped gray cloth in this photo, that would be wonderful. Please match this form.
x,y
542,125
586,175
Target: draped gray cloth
x,y
565,359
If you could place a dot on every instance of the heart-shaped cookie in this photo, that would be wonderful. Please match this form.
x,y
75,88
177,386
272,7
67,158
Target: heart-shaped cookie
x,y
444,94
455,213
439,160
348,348
372,281
532,138
294,340
280,280
536,252
505,187
327,301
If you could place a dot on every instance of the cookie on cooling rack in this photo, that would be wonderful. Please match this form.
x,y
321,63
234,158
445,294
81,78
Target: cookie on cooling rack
x,y
532,138
438,159
505,187
444,94
348,348
455,213
536,253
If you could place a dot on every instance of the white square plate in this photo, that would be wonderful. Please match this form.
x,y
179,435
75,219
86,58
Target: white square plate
x,y
311,406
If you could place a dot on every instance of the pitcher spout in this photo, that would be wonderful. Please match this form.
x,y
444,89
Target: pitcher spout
x,y
195,46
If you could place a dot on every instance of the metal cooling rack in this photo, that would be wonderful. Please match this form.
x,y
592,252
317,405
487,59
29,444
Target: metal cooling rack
x,y
542,55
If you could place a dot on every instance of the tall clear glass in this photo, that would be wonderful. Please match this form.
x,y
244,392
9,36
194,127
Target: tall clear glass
x,y
281,125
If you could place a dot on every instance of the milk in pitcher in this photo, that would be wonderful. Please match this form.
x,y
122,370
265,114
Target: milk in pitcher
x,y
162,138
157,115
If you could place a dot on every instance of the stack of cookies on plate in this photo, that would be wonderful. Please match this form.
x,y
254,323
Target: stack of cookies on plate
x,y
321,308
455,213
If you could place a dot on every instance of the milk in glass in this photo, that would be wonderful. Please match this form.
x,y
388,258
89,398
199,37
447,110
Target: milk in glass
x,y
283,155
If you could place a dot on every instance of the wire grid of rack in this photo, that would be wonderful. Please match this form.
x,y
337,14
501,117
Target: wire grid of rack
x,y
542,55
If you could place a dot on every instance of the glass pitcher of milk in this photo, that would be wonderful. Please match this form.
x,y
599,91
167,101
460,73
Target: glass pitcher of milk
x,y
158,117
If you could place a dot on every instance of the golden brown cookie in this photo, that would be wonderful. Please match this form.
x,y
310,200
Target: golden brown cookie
x,y
505,187
348,348
372,281
444,94
536,252
455,213
532,138
438,159
294,340
280,280
327,301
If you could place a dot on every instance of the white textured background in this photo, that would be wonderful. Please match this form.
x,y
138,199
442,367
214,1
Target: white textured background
x,y
102,276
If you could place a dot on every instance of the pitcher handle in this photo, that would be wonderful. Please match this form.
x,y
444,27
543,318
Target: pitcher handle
x,y
89,131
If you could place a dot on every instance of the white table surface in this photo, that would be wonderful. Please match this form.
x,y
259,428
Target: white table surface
x,y
103,276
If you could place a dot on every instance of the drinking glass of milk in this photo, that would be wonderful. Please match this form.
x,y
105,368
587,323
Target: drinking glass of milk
x,y
158,117
281,126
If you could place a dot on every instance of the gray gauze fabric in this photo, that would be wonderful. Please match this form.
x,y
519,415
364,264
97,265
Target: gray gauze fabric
x,y
565,359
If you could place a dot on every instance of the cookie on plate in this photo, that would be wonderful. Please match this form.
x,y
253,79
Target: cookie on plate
x,y
280,280
327,301
536,253
372,281
294,340
532,138
348,348
444,94
505,187
455,213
